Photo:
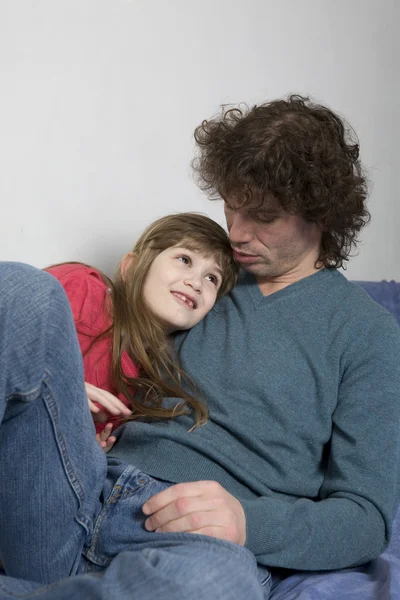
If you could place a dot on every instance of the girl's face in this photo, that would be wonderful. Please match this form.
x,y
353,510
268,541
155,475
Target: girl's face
x,y
181,287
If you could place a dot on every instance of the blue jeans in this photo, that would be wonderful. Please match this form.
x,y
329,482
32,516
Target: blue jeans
x,y
71,524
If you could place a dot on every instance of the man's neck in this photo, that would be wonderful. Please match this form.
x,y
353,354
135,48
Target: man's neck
x,y
271,285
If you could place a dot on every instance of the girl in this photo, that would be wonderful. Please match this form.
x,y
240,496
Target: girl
x,y
178,268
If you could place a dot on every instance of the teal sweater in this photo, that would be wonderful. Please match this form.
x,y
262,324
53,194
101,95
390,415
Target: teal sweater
x,y
303,388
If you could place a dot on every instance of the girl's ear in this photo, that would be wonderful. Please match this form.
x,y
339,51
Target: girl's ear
x,y
126,262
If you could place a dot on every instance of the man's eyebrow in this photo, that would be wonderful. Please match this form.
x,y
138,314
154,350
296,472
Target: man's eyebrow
x,y
273,211
268,212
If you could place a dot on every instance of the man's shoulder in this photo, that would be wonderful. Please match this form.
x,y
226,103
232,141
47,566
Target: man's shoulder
x,y
385,293
364,300
326,295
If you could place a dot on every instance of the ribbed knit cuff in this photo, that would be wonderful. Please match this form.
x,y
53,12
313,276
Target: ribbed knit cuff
x,y
264,525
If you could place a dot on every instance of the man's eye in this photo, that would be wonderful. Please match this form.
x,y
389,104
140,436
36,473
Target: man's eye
x,y
184,259
265,218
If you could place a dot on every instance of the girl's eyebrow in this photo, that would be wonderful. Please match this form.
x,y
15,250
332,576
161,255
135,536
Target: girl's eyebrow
x,y
217,268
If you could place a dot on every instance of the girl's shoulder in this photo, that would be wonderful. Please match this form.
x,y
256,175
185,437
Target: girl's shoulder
x,y
85,287
78,274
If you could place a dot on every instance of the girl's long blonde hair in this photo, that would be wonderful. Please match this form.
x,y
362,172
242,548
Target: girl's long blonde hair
x,y
137,331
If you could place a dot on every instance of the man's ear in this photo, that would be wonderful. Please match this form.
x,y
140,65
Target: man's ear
x,y
126,262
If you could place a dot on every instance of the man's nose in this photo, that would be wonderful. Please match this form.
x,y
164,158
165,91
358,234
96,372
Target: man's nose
x,y
240,229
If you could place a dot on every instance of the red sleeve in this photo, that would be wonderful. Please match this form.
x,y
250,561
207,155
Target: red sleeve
x,y
86,293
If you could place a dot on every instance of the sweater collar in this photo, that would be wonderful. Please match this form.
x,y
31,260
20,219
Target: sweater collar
x,y
248,284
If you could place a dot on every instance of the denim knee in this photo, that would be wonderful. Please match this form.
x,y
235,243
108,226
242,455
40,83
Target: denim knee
x,y
26,283
34,313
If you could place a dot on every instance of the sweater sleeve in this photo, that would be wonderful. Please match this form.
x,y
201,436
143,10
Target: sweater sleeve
x,y
350,522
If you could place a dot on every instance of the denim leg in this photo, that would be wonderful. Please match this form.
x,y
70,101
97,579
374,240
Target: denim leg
x,y
124,561
52,474
52,469
165,565
204,574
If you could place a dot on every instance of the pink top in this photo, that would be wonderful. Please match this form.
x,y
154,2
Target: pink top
x,y
88,295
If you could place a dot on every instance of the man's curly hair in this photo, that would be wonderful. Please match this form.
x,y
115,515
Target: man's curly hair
x,y
298,151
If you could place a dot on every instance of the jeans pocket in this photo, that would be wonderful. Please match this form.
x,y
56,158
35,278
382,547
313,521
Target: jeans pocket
x,y
120,524
264,576
266,580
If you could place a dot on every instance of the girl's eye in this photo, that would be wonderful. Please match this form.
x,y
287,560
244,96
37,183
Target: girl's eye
x,y
213,279
184,259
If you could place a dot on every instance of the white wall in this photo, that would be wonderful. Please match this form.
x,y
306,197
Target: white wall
x,y
99,99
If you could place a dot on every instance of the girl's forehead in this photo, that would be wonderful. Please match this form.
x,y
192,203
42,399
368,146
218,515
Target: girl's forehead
x,y
195,246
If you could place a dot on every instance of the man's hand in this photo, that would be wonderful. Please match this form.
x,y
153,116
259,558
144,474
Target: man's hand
x,y
203,507
111,403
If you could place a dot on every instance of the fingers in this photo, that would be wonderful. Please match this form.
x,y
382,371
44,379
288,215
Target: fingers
x,y
104,435
104,438
199,522
110,443
180,490
93,407
110,402
188,514
214,523
97,415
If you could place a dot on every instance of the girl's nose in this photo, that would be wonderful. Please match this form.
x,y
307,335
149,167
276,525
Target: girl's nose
x,y
195,283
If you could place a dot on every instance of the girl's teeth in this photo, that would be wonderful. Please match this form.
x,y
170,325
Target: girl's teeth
x,y
186,300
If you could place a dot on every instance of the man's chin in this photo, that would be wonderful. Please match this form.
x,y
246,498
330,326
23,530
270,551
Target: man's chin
x,y
254,268
261,272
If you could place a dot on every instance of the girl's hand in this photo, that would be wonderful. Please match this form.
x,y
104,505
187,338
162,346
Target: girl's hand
x,y
104,438
111,403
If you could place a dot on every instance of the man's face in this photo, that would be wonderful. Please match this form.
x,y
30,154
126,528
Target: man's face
x,y
270,243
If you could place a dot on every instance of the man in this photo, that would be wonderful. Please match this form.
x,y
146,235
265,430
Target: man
x,y
300,368
301,374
